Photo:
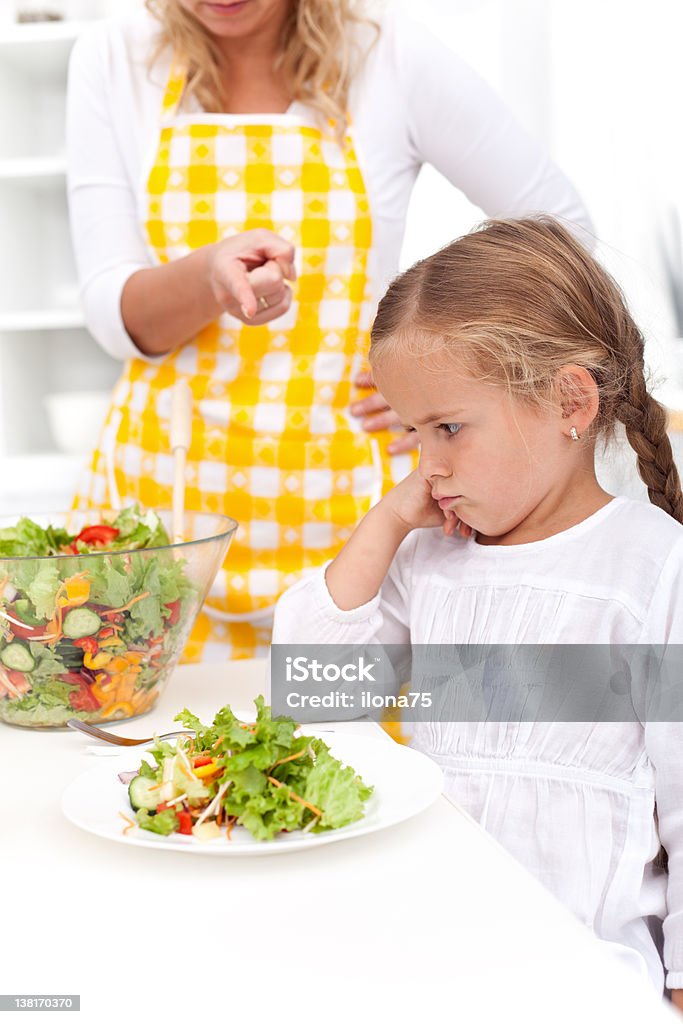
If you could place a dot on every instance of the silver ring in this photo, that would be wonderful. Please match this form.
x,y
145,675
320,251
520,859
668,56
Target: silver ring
x,y
263,302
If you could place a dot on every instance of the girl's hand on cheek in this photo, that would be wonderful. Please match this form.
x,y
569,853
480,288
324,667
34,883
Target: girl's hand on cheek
x,y
410,502
454,525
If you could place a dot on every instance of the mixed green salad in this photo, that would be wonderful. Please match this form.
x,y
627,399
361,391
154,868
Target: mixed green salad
x,y
88,637
260,776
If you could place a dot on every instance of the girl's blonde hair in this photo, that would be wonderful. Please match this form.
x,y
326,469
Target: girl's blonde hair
x,y
318,56
516,300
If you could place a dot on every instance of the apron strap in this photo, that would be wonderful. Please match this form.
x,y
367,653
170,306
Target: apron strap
x,y
175,87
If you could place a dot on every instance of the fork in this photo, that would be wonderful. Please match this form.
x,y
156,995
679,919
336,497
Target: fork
x,y
121,741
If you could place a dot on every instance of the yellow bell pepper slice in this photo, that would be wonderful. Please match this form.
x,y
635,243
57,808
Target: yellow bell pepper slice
x,y
117,664
97,662
100,692
77,592
121,705
207,770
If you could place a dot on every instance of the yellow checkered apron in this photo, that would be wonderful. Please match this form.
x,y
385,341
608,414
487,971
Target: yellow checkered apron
x,y
273,444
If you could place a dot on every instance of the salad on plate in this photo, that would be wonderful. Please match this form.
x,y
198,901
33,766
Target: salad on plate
x,y
261,776
83,636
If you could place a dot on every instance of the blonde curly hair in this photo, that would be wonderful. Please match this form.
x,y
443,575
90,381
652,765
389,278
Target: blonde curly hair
x,y
319,58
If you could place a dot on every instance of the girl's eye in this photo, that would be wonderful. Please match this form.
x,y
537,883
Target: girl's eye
x,y
450,428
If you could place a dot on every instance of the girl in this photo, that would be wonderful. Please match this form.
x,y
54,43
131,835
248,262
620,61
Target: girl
x,y
510,353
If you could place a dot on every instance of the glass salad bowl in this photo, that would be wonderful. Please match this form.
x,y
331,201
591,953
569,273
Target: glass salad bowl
x,y
96,608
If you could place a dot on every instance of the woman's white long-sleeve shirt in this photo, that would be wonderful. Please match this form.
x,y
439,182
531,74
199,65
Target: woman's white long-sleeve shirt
x,y
414,102
573,801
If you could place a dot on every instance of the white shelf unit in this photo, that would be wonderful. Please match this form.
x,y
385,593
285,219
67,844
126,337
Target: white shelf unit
x,y
44,347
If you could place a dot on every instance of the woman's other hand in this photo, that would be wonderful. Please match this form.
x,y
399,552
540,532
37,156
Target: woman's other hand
x,y
377,415
249,275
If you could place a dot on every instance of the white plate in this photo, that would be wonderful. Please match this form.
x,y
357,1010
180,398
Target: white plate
x,y
406,782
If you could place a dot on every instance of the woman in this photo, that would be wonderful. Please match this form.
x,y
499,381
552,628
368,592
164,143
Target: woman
x,y
196,121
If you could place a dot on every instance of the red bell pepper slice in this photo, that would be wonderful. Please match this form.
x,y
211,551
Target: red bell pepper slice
x,y
75,678
24,631
174,610
19,680
87,643
199,762
100,535
185,823
83,699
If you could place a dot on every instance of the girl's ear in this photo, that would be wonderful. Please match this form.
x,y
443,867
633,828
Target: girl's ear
x,y
578,396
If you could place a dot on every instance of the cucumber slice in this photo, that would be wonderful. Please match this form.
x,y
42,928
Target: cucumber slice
x,y
18,658
71,657
80,622
143,792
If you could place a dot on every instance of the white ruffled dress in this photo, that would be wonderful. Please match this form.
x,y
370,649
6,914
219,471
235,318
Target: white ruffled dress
x,y
574,802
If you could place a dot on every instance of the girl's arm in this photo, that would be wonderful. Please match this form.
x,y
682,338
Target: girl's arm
x,y
364,596
664,745
357,573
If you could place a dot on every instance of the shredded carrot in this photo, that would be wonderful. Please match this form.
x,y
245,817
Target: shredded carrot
x,y
131,824
218,742
55,622
294,796
228,832
115,611
292,757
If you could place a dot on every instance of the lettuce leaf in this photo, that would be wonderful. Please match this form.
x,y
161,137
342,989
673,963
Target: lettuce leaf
x,y
39,581
337,791
271,771
139,529
24,539
163,823
43,705
110,584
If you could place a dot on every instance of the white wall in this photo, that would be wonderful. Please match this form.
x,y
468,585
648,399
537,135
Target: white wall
x,y
600,82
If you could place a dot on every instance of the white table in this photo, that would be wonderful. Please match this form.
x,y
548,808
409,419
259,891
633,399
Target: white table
x,y
429,920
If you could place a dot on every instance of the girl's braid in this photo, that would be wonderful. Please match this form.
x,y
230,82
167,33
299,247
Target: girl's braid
x,y
645,422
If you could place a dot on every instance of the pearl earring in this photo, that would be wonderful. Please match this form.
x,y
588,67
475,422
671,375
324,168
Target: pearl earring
x,y
574,434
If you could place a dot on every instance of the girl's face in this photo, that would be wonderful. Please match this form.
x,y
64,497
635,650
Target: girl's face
x,y
495,461
238,19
